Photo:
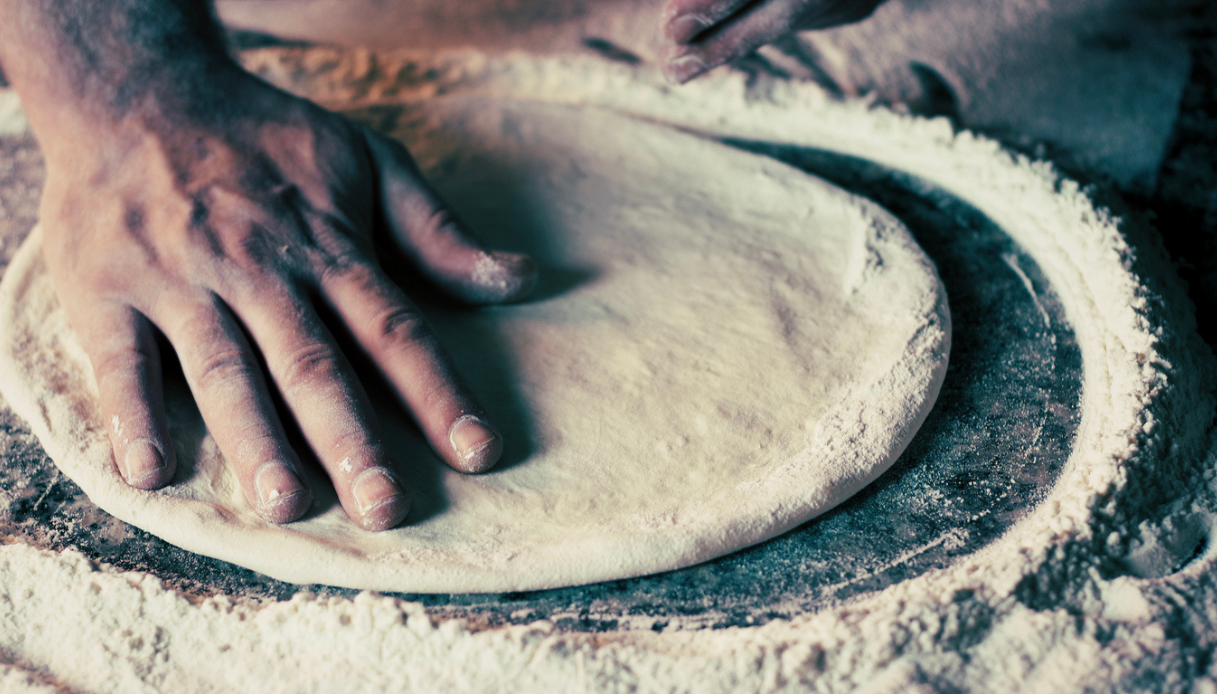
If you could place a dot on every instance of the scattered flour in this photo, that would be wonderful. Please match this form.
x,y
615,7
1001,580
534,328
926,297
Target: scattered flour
x,y
1098,589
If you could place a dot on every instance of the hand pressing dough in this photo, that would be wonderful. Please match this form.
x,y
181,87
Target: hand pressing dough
x,y
726,347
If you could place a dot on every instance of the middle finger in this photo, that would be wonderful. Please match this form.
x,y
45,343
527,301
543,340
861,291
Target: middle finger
x,y
224,375
332,409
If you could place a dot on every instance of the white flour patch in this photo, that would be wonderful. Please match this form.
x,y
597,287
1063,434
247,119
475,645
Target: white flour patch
x,y
12,118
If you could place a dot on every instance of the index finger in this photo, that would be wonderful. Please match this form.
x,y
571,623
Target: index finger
x,y
402,345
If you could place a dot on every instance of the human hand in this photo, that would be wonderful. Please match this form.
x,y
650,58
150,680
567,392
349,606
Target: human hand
x,y
225,223
704,34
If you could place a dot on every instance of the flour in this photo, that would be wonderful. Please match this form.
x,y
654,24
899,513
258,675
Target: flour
x,y
1055,605
12,118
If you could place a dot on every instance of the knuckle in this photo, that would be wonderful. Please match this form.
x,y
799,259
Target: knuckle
x,y
436,221
255,249
224,367
307,365
126,362
401,327
344,265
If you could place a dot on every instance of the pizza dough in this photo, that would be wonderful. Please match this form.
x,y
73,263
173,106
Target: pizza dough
x,y
726,347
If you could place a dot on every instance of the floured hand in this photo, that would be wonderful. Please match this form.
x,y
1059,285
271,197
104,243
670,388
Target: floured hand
x,y
207,205
704,34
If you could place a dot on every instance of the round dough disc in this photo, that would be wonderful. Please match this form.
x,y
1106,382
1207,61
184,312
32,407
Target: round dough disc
x,y
725,348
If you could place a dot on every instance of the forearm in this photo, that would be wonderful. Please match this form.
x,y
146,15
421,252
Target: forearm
x,y
81,63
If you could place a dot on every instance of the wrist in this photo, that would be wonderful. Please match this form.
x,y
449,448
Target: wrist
x,y
70,125
84,65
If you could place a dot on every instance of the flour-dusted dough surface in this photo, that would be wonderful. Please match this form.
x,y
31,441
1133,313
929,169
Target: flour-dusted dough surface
x,y
735,347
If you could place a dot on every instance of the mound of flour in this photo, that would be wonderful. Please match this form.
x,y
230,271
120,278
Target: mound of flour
x,y
1109,584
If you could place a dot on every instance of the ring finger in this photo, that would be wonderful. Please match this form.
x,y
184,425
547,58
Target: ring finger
x,y
224,375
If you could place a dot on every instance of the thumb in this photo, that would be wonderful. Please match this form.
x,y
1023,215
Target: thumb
x,y
423,228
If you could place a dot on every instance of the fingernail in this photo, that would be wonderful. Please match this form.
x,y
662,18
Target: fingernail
x,y
142,462
277,485
685,27
685,68
477,445
381,501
